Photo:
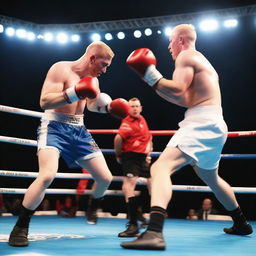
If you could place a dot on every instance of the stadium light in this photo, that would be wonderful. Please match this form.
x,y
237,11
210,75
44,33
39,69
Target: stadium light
x,y
148,32
230,23
120,35
21,33
10,31
31,36
48,37
62,38
137,34
95,37
168,31
108,36
209,25
75,38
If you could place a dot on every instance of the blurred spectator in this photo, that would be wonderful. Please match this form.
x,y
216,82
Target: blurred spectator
x,y
68,208
2,207
45,205
12,203
192,214
206,209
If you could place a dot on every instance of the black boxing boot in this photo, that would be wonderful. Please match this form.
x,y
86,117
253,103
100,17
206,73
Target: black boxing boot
x,y
241,226
148,240
152,238
19,234
91,212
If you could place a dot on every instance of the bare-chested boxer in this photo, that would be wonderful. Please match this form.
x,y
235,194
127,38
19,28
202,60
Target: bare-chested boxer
x,y
69,87
199,139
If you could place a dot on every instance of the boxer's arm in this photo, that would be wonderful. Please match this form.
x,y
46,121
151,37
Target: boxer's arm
x,y
52,95
181,79
149,147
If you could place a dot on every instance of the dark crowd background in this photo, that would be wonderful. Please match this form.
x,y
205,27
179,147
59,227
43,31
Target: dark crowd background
x,y
232,53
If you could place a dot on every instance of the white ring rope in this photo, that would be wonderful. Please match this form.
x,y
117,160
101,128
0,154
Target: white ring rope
x,y
18,141
20,111
81,176
60,191
141,181
180,188
31,113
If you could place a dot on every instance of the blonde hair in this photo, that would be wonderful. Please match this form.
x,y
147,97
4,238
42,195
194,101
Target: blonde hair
x,y
134,99
101,49
186,30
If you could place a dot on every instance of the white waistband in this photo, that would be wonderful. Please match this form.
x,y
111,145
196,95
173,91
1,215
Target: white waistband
x,y
210,110
64,118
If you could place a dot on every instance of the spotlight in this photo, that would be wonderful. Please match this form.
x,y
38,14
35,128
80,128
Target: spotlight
x,y
75,38
168,31
120,35
108,36
95,37
21,33
230,23
137,34
148,32
62,38
209,25
48,37
1,28
31,36
10,31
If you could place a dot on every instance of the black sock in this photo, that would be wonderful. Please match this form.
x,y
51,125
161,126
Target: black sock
x,y
132,209
157,216
237,216
24,217
94,204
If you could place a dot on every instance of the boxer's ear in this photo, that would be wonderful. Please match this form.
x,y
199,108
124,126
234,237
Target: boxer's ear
x,y
92,58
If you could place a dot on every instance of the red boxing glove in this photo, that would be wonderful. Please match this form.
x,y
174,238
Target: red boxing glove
x,y
143,62
119,108
87,87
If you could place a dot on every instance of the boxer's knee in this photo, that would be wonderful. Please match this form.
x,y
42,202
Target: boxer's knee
x,y
46,178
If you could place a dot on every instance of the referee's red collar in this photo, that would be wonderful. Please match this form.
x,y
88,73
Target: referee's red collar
x,y
131,118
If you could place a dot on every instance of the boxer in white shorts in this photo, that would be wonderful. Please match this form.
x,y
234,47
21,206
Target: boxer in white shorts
x,y
202,135
200,138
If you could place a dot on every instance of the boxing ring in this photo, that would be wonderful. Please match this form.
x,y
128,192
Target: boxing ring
x,y
183,237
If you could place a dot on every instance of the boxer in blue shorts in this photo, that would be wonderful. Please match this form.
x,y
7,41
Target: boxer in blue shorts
x,y
56,133
69,87
199,139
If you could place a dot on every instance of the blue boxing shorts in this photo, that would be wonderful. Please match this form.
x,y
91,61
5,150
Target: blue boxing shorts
x,y
68,135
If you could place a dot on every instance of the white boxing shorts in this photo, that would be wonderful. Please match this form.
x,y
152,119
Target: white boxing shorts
x,y
68,135
202,135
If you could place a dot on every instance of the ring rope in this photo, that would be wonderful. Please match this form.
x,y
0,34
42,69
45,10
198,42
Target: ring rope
x,y
59,175
27,142
141,181
180,188
31,113
61,191
24,174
